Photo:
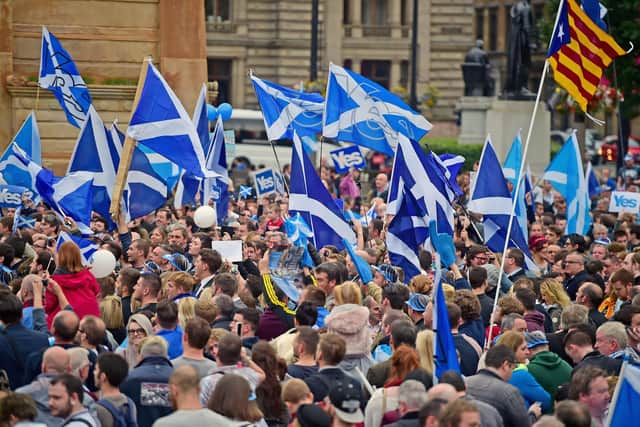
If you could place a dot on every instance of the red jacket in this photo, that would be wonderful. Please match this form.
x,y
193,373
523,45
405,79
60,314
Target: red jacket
x,y
81,289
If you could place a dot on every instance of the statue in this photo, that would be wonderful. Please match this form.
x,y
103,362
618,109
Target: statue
x,y
475,71
521,43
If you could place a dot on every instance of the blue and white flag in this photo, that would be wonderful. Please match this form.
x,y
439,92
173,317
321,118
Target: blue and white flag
x,y
408,230
59,74
87,247
299,233
217,189
362,267
14,172
68,196
445,354
20,221
363,112
245,192
566,175
624,404
165,168
309,197
596,11
161,123
592,181
285,110
511,171
453,163
490,197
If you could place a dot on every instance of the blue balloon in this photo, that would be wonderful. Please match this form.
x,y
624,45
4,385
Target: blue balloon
x,y
225,111
212,112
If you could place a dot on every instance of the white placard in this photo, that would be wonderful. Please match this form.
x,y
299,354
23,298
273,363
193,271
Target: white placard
x,y
230,250
624,201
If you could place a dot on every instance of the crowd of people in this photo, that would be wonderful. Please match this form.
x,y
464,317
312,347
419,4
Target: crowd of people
x,y
178,335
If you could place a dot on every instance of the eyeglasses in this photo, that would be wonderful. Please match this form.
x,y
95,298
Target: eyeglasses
x,y
138,331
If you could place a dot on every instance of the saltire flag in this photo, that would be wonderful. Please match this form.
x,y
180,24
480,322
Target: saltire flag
x,y
363,112
624,405
287,110
579,52
299,233
408,230
445,353
528,190
245,192
87,247
217,189
14,172
490,197
309,197
453,163
511,171
68,196
161,123
362,267
592,181
20,221
59,74
566,175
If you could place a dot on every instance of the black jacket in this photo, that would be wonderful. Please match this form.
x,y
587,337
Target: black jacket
x,y
148,386
320,383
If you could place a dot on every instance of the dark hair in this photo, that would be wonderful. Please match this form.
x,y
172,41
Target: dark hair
x,y
452,413
269,391
622,275
21,406
142,245
426,259
454,314
114,367
224,304
18,244
212,258
332,348
230,398
152,282
527,297
315,295
227,283
254,284
626,313
469,305
128,277
306,314
477,276
10,307
72,384
433,408
8,253
573,414
497,355
229,348
204,238
167,314
582,378
333,270
44,259
197,331
578,338
250,316
454,378
66,326
94,328
517,255
403,332
396,294
309,337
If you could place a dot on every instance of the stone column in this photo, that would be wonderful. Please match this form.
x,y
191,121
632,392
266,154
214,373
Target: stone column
x,y
395,9
394,80
239,16
333,34
6,68
424,40
183,60
356,18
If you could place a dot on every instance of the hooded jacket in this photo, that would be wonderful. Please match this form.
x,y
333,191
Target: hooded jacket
x,y
350,322
550,370
81,289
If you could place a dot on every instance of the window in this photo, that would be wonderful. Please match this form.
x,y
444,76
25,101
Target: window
x,y
378,71
346,12
217,10
404,19
479,24
220,70
404,73
347,64
374,12
493,29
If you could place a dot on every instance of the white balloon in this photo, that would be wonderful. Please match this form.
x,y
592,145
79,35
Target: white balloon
x,y
205,216
103,263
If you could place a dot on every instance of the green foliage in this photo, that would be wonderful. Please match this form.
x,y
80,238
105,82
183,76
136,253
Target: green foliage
x,y
470,152
119,81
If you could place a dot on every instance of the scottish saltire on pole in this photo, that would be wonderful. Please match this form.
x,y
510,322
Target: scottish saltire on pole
x,y
624,405
161,123
309,197
407,231
566,175
592,181
285,110
68,196
217,189
165,168
13,171
360,111
20,221
87,247
362,267
445,354
453,163
299,233
490,197
59,74
579,52
511,171
245,192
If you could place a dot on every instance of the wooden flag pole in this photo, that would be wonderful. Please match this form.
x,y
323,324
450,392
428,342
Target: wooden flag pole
x,y
127,149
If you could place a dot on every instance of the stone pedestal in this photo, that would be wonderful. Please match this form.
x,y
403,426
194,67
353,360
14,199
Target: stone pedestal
x,y
505,118
473,111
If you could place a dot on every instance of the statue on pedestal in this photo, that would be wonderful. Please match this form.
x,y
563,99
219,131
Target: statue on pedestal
x,y
521,42
475,71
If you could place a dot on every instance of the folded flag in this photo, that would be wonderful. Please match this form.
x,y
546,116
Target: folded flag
x,y
14,172
362,267
87,247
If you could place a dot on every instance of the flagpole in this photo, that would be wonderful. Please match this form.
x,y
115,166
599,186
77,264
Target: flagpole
x,y
616,392
523,161
127,149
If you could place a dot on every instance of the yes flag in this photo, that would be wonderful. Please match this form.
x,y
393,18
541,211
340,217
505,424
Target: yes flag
x,y
87,247
299,233
14,172
360,111
287,110
59,74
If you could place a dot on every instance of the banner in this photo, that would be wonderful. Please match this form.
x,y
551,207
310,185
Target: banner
x,y
11,195
624,201
230,145
346,158
265,182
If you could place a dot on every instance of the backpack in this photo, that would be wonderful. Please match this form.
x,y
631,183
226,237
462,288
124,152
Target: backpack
x,y
121,417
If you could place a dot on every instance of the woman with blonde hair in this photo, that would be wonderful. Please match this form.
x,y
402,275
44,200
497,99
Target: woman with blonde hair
x,y
424,347
186,310
111,314
347,293
139,327
555,299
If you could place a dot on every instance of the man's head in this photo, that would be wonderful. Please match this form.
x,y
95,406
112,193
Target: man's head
x,y
610,337
111,369
306,341
196,333
65,326
572,413
599,251
328,276
65,395
147,287
502,360
153,347
10,308
460,413
573,264
577,344
183,383
163,217
249,319
589,294
589,386
574,315
178,235
477,256
229,349
478,279
167,315
56,360
513,322
411,396
138,252
224,304
18,407
225,283
126,280
381,182
207,263
92,331
514,261
621,282
79,362
331,350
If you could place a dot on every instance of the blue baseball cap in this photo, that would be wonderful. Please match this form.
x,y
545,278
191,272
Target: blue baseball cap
x,y
418,302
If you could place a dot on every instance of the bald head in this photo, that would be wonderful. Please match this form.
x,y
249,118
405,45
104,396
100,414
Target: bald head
x,y
589,294
442,391
56,360
186,379
65,326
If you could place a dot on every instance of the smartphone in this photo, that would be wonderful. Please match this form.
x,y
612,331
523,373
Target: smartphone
x,y
239,329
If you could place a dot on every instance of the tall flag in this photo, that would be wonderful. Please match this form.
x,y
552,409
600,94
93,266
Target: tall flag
x,y
217,189
579,52
59,74
68,196
445,354
287,110
566,175
624,404
453,163
161,123
592,181
363,112
27,139
490,197
309,197
511,171
20,221
299,233
87,247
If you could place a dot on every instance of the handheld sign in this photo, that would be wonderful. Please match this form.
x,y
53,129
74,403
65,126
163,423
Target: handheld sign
x,y
346,158
624,201
11,195
265,182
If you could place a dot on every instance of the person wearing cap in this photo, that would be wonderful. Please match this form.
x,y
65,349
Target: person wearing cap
x,y
417,304
177,262
629,172
344,401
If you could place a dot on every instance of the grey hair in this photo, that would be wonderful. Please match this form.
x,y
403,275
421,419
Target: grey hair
x,y
413,394
616,331
509,320
154,346
573,315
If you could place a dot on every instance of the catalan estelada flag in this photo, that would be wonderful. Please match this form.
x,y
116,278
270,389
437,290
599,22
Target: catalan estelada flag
x,y
579,52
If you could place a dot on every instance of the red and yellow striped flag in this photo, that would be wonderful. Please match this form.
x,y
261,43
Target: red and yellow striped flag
x,y
579,52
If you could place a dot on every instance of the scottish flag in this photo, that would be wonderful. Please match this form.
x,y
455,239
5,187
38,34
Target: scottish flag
x,y
592,181
299,233
362,267
217,189
14,172
87,247
445,354
285,110
20,221
165,168
452,164
59,74
511,171
309,197
566,175
490,196
624,405
245,192
161,123
360,111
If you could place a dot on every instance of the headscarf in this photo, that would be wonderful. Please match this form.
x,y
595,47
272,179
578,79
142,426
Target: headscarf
x,y
131,352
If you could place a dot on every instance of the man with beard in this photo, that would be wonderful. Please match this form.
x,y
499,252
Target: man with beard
x,y
65,401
